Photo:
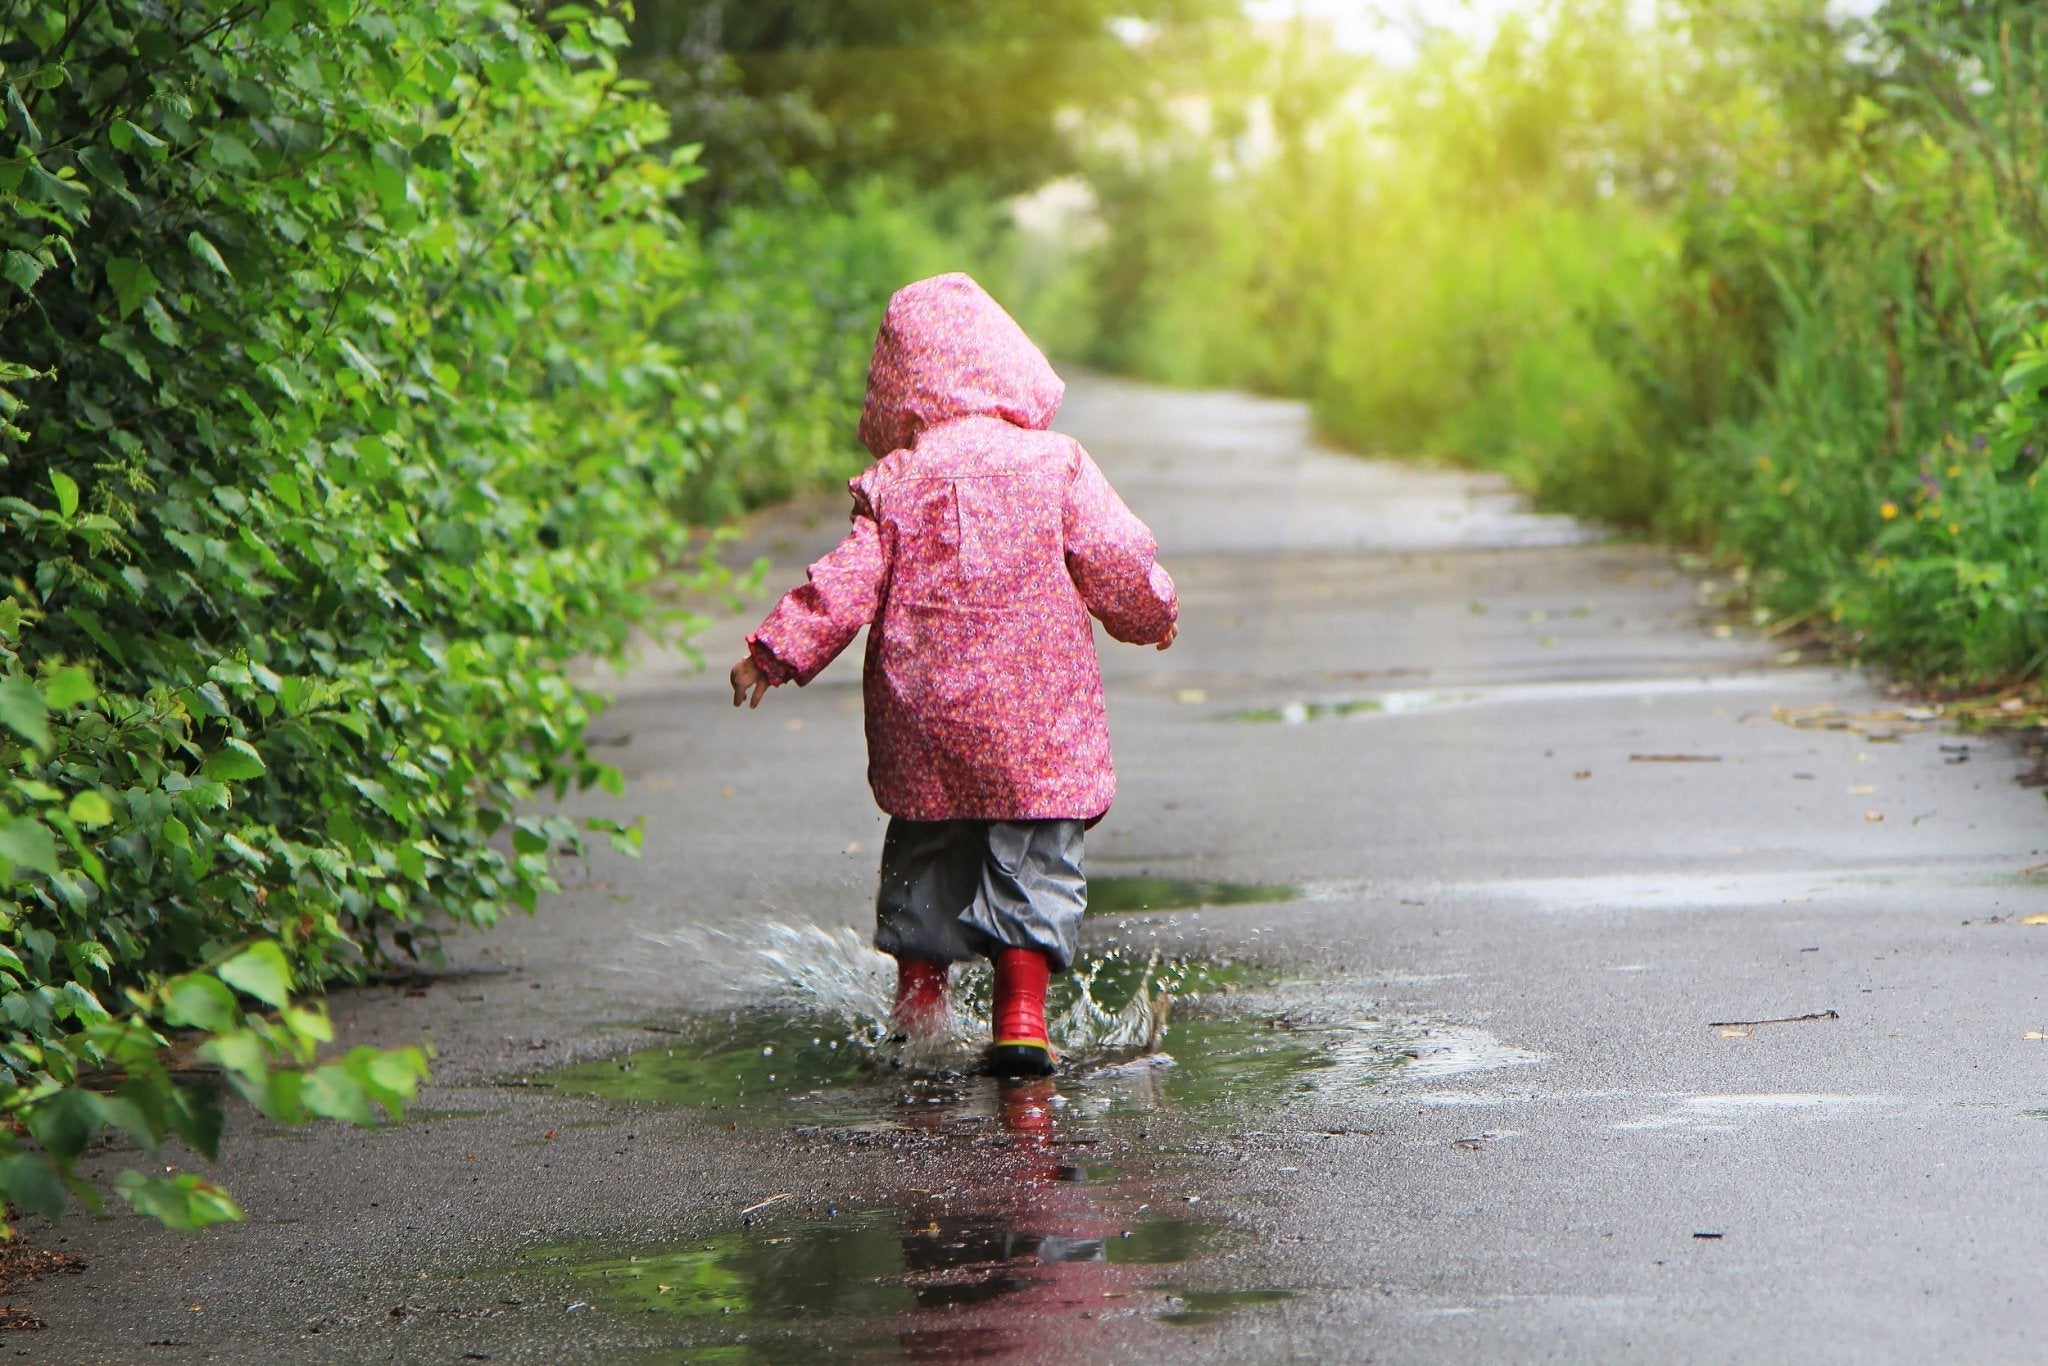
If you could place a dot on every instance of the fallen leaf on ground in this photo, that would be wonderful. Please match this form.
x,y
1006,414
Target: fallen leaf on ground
x,y
2034,1034
1191,697
1864,791
1873,815
2034,920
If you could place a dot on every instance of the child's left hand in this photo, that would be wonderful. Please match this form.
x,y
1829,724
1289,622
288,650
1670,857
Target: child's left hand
x,y
746,676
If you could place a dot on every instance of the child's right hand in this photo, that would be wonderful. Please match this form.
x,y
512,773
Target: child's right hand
x,y
747,676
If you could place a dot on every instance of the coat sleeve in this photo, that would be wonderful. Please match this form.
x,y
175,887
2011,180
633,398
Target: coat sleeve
x,y
1114,561
820,617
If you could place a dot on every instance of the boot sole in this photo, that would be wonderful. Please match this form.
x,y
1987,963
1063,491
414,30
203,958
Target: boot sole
x,y
1019,1060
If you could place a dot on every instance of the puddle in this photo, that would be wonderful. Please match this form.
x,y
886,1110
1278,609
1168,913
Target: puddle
x,y
867,1263
1210,1069
1118,895
1726,1114
1301,713
1061,1197
1206,1306
1686,891
1411,701
1207,1039
920,1282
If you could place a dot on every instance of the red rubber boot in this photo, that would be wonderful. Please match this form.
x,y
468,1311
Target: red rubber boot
x,y
1022,1047
921,1007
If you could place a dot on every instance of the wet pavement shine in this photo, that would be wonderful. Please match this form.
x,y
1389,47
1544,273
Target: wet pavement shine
x,y
1481,968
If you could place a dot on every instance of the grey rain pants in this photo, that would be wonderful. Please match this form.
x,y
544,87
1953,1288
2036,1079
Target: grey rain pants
x,y
954,890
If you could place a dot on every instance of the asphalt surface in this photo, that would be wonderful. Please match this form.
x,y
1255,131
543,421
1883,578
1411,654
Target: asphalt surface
x,y
1480,1092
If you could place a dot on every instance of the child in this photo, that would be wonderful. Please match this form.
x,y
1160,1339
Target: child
x,y
980,544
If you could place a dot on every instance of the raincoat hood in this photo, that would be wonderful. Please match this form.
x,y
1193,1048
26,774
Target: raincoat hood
x,y
947,351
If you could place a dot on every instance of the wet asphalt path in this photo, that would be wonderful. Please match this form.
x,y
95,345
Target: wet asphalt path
x,y
1546,830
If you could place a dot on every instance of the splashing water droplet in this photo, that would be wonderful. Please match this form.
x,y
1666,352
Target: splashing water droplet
x,y
1107,1004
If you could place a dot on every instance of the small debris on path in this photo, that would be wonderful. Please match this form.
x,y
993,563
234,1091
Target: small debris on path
x,y
1784,1019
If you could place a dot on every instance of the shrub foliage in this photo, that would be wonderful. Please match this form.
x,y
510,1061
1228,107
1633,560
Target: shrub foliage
x,y
335,419
1764,277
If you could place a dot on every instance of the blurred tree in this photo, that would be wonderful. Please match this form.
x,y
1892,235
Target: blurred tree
x,y
933,92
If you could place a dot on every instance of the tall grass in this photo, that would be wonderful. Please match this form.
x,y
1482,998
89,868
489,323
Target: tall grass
x,y
1751,276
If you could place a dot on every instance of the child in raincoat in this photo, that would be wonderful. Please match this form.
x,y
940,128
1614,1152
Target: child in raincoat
x,y
981,543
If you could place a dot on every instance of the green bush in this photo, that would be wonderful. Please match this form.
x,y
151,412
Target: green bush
x,y
334,422
1759,277
779,320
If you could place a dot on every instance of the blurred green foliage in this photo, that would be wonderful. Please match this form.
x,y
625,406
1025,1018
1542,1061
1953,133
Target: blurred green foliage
x,y
929,95
362,365
1759,276
357,374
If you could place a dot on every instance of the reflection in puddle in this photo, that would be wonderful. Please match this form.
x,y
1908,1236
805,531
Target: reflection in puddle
x,y
988,1269
1111,895
866,1264
1206,1306
770,1068
1049,1215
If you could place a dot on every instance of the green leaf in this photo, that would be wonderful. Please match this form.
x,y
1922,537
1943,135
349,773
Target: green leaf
x,y
99,163
184,1202
20,115
68,687
434,151
2027,375
65,195
21,269
230,153
127,136
196,1118
392,1075
176,833
30,1181
89,809
133,282
66,1122
198,1001
332,1092
234,761
262,971
66,489
23,711
27,843
206,252
310,1023
239,1051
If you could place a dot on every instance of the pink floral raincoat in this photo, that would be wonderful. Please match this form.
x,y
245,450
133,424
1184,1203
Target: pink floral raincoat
x,y
980,544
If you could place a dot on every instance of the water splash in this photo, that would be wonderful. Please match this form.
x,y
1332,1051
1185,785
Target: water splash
x,y
1110,1003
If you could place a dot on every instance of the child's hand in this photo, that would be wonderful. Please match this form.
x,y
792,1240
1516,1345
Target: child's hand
x,y
1172,633
747,675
